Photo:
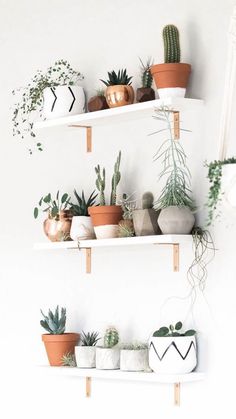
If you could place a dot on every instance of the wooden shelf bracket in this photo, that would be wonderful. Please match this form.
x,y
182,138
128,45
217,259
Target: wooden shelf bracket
x,y
88,135
88,386
176,257
176,125
177,394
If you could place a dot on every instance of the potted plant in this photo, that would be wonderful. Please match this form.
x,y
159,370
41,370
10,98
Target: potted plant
x,y
81,226
98,102
172,351
171,78
222,178
57,342
51,94
145,219
134,357
108,356
105,218
119,91
86,353
145,93
126,226
58,223
68,360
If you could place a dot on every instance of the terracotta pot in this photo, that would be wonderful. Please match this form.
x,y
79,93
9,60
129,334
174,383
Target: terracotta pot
x,y
172,76
119,95
97,103
105,220
144,94
58,228
58,345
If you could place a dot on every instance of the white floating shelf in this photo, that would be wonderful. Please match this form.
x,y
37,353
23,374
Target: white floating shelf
x,y
165,239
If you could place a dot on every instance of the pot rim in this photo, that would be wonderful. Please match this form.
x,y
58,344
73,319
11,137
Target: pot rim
x,y
47,337
168,66
100,209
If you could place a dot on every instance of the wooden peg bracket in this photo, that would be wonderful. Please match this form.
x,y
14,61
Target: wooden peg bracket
x,y
176,125
177,394
88,135
176,257
88,260
88,386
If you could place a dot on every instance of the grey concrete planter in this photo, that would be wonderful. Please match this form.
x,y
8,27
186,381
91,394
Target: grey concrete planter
x,y
145,222
134,360
176,220
85,356
107,358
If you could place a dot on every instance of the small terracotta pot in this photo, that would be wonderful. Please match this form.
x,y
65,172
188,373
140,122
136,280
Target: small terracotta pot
x,y
97,103
58,228
58,345
119,95
144,94
171,75
105,220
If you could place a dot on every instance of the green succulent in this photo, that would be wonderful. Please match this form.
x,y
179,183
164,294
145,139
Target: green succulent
x,y
120,78
89,339
68,360
54,323
146,77
111,337
173,331
171,44
82,207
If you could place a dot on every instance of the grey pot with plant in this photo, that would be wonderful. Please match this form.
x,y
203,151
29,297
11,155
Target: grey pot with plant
x,y
85,354
134,357
81,226
146,92
108,356
119,91
145,219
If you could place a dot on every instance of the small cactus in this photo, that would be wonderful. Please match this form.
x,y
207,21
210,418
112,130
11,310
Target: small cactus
x,y
101,183
147,200
171,44
115,179
111,337
146,76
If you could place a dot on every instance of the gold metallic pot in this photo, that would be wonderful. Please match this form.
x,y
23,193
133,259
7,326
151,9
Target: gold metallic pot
x,y
58,228
119,95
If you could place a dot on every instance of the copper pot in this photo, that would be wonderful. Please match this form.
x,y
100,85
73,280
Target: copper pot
x,y
58,228
119,95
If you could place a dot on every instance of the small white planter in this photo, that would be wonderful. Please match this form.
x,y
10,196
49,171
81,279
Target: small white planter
x,y
85,356
109,231
172,355
171,92
134,360
228,184
107,358
62,101
82,228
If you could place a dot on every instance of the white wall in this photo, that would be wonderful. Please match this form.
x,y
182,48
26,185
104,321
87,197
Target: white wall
x,y
127,286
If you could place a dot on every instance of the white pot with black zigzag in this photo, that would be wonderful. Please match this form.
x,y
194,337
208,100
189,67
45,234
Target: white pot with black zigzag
x,y
62,101
172,355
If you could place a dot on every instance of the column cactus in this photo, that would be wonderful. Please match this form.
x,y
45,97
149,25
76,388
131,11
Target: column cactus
x,y
171,44
147,200
115,179
111,337
101,183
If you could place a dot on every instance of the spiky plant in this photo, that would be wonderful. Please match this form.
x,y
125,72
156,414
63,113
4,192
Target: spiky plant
x,y
120,78
115,179
146,77
68,360
101,183
171,44
89,339
111,337
54,323
82,207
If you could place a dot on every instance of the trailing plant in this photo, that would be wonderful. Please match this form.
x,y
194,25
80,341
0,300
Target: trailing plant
x,y
214,194
171,44
111,337
53,206
90,338
177,188
54,323
101,181
120,78
173,331
81,208
29,99
68,360
135,346
146,77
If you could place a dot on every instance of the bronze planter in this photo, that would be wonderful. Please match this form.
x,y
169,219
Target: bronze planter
x,y
58,228
119,95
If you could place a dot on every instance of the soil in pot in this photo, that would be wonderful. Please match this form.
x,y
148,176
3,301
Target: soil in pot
x,y
144,94
105,219
176,220
58,345
145,222
119,95
107,358
97,103
171,79
85,356
58,228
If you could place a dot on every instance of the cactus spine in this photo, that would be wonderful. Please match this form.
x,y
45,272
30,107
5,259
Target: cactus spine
x,y
111,337
115,179
147,200
146,76
171,44
100,183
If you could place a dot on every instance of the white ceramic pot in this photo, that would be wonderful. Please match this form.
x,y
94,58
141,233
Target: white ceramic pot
x,y
134,359
172,355
171,92
109,231
62,101
228,184
176,220
107,358
85,356
82,228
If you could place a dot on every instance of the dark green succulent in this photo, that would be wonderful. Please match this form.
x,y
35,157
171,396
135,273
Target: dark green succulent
x,y
81,208
120,78
89,339
54,323
173,331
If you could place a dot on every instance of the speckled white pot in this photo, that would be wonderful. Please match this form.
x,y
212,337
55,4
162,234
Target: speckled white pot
x,y
134,359
107,358
85,356
82,228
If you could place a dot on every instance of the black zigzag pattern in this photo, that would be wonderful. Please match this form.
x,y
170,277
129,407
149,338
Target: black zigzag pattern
x,y
55,98
71,106
177,349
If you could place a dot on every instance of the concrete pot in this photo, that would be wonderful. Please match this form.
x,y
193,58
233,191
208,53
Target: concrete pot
x,y
134,359
107,358
85,356
176,220
62,101
82,228
145,222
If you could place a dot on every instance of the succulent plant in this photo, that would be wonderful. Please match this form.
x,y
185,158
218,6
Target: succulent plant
x,y
173,331
120,78
147,200
101,183
54,323
115,179
53,206
68,360
111,337
146,77
171,44
89,339
135,346
126,230
82,207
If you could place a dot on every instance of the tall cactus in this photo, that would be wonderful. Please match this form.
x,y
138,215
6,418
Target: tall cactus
x,y
146,76
171,44
115,179
101,183
111,337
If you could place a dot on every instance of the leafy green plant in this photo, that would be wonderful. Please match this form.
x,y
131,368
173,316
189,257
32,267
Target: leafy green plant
x,y
53,206
146,77
214,194
29,99
68,360
171,44
90,338
135,346
81,208
54,323
111,337
173,331
120,78
101,181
